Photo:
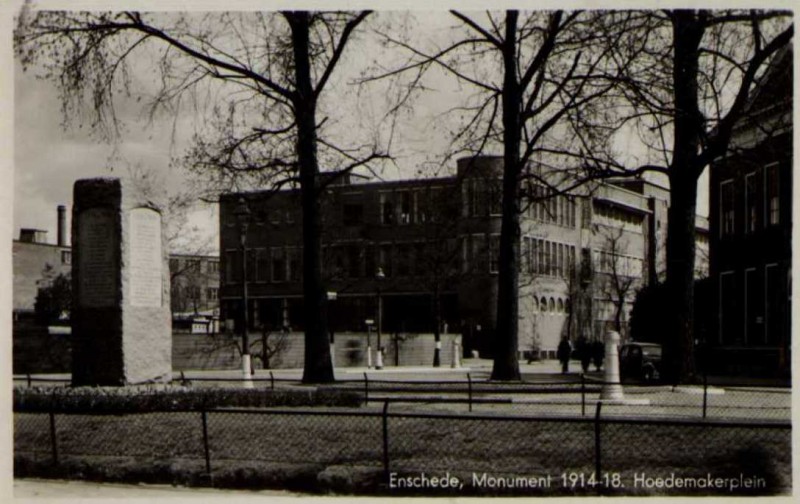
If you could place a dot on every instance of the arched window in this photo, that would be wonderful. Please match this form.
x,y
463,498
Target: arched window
x,y
552,305
560,305
543,304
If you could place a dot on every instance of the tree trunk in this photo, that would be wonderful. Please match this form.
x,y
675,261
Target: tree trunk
x,y
318,367
506,364
684,170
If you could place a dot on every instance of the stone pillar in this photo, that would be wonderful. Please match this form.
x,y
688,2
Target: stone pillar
x,y
121,327
612,389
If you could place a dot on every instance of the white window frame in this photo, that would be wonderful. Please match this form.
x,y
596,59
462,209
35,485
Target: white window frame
x,y
721,209
767,210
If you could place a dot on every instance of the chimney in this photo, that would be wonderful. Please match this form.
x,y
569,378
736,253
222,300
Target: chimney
x,y
62,226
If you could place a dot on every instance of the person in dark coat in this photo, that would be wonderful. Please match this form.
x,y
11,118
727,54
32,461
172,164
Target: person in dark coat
x,y
564,353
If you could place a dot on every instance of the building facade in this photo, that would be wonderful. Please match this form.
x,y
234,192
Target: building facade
x,y
194,284
436,243
36,263
751,222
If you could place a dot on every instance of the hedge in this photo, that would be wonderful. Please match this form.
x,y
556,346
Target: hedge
x,y
171,398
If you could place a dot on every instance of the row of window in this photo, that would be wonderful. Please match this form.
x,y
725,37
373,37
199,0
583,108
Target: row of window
x,y
761,201
549,208
274,264
194,292
193,265
617,218
547,258
759,305
617,264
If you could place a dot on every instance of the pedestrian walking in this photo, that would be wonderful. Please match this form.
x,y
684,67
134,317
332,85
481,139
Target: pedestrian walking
x,y
564,353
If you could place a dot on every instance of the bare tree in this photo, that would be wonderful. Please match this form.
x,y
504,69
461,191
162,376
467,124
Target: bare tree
x,y
616,273
690,86
259,82
538,77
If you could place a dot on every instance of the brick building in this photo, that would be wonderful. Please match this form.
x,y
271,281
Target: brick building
x,y
438,238
751,223
37,263
194,278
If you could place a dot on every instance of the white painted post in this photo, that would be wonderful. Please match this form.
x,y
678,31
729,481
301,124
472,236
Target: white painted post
x,y
246,374
612,389
456,355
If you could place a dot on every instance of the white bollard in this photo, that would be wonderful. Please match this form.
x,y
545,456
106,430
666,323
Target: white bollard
x,y
246,374
369,357
456,355
612,389
379,359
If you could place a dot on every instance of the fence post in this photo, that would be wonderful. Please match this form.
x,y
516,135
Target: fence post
x,y
583,395
183,379
29,380
705,394
597,440
272,380
386,440
206,449
53,442
366,389
469,390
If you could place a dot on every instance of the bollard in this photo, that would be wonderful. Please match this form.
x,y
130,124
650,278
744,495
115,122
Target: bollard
x,y
272,380
247,376
29,380
612,389
456,357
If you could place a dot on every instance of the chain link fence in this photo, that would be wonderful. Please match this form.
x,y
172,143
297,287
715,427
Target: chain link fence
x,y
487,453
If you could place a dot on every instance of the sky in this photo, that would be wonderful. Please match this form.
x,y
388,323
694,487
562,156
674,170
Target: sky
x,y
48,157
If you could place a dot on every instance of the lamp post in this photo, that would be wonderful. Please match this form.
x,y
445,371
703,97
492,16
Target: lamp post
x,y
242,214
379,276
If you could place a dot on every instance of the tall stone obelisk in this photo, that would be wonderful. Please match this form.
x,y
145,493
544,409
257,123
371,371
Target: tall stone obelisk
x,y
121,327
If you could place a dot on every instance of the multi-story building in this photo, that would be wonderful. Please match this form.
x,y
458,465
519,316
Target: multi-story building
x,y
751,232
36,263
437,239
194,284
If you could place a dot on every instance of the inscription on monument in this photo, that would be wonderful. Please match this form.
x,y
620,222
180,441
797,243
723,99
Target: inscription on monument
x,y
96,258
145,256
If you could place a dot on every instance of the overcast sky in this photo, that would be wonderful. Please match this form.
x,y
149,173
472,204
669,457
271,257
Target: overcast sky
x,y
48,158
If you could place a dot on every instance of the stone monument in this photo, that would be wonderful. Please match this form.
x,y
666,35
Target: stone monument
x,y
121,327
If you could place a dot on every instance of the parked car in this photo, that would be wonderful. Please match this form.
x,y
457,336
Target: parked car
x,y
640,361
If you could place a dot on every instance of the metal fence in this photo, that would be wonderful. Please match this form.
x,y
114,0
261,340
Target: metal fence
x,y
572,395
487,453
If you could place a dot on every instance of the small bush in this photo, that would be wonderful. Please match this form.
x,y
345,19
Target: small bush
x,y
173,398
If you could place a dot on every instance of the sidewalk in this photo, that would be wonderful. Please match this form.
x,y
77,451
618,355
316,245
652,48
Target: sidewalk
x,y
41,488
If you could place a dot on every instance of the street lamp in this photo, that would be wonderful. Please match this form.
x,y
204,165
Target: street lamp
x,y
379,276
242,214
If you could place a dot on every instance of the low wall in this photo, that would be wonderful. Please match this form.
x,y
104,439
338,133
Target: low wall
x,y
36,351
196,351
